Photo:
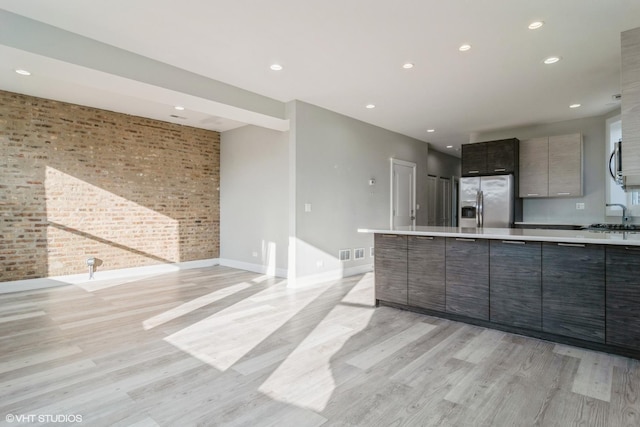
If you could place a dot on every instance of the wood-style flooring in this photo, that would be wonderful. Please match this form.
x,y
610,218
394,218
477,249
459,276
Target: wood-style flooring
x,y
219,346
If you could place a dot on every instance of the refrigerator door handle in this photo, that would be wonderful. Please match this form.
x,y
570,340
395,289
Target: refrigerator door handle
x,y
478,208
481,207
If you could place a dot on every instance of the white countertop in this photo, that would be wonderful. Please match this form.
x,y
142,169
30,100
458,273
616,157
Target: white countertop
x,y
534,235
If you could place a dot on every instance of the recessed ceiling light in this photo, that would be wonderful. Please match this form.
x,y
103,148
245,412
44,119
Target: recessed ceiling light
x,y
449,146
574,105
552,60
276,67
370,106
535,25
407,65
23,72
431,130
179,107
464,47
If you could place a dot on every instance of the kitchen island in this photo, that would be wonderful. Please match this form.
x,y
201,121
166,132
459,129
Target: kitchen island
x,y
577,287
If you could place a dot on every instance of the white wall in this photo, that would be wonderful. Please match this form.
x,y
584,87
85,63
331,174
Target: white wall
x,y
563,210
254,186
335,157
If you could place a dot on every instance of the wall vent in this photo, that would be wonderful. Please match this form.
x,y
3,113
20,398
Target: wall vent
x,y
358,253
344,255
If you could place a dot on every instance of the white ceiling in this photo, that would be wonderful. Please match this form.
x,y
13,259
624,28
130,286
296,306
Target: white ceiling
x,y
342,55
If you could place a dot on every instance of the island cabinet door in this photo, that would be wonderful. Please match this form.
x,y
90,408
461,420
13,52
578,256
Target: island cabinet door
x,y
515,281
573,290
623,296
391,268
467,277
426,272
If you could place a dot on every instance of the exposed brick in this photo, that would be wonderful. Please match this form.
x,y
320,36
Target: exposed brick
x,y
79,182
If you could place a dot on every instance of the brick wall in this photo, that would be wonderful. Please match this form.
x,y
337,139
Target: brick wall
x,y
77,182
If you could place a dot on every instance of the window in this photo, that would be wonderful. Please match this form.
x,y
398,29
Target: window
x,y
615,193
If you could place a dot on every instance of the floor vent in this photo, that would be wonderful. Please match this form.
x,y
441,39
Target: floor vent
x,y
344,255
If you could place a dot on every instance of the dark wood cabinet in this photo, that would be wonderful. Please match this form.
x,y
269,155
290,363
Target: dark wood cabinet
x,y
502,156
516,283
391,267
474,159
573,290
426,272
490,158
623,296
467,277
581,294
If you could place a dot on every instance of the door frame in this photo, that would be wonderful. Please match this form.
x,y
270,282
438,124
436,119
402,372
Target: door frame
x,y
413,185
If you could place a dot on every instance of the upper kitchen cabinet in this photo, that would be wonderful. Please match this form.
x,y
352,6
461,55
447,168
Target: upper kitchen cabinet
x,y
534,167
551,166
474,159
631,107
490,158
565,165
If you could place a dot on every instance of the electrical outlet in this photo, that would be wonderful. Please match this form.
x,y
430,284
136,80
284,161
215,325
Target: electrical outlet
x,y
580,206
307,207
254,254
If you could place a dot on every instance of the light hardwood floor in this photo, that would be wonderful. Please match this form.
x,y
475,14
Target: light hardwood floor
x,y
219,346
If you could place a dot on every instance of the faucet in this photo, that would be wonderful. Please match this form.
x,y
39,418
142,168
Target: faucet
x,y
625,218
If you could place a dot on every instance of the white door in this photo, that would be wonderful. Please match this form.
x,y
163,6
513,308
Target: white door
x,y
403,193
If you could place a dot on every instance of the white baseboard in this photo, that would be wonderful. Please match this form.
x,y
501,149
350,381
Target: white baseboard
x,y
124,273
255,268
76,279
327,276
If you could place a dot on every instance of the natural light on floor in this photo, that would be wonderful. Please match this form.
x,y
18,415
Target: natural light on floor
x,y
303,376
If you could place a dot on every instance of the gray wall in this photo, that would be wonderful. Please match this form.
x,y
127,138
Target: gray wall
x,y
443,164
254,186
335,156
563,210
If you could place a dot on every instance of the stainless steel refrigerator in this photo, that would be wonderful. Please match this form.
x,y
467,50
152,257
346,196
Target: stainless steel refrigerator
x,y
487,201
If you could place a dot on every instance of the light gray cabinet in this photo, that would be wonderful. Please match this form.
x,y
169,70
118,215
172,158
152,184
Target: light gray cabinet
x,y
631,107
534,167
551,166
565,165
